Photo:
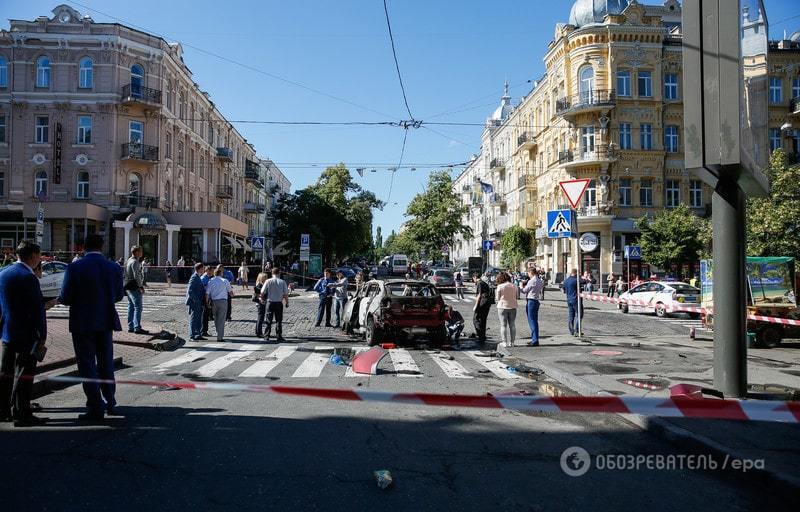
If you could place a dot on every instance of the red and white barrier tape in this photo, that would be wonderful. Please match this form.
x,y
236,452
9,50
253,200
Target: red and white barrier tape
x,y
679,407
773,320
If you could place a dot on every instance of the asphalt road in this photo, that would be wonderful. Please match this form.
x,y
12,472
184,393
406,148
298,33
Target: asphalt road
x,y
204,450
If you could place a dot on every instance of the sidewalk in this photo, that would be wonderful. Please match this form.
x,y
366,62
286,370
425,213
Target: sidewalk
x,y
604,365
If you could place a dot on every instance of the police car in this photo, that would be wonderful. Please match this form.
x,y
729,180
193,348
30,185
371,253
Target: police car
x,y
52,277
659,297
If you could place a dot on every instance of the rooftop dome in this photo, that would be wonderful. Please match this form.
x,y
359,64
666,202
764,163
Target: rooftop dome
x,y
505,108
586,12
795,37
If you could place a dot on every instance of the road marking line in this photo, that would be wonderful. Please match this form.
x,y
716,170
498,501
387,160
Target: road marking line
x,y
262,368
349,372
211,368
403,362
451,368
312,365
494,366
191,356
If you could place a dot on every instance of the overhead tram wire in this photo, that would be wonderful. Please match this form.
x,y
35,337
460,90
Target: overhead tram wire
x,y
399,165
397,64
235,62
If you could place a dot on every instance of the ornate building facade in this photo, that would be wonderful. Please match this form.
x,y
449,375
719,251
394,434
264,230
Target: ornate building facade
x,y
105,127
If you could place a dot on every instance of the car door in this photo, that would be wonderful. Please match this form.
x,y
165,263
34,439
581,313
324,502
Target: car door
x,y
364,307
52,277
650,294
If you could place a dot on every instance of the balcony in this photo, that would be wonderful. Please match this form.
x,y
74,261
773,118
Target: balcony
x,y
225,154
130,201
224,192
138,151
252,167
526,180
526,141
497,199
794,106
251,207
132,93
602,154
497,164
587,101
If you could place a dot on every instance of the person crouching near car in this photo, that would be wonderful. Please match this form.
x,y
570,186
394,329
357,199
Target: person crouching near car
x,y
454,322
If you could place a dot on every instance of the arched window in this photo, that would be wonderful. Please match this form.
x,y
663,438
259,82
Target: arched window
x,y
134,187
180,198
82,185
586,84
43,72
167,195
40,185
85,73
137,80
3,72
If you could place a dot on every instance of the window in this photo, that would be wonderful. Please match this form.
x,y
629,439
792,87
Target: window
x,y
774,138
586,84
671,139
645,84
625,136
170,94
137,80
168,145
40,185
672,190
3,72
2,128
646,136
625,192
587,140
590,196
85,74
191,202
82,189
180,152
670,86
135,132
191,159
133,189
43,72
181,107
210,132
84,129
775,90
42,129
623,83
202,167
646,193
2,183
180,198
795,83
695,193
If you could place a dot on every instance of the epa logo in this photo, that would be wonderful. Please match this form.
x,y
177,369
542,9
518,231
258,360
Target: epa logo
x,y
575,461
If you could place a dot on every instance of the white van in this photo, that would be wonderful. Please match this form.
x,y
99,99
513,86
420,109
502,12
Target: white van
x,y
399,264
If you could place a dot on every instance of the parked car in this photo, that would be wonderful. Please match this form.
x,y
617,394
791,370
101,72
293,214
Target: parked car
x,y
396,310
492,272
442,279
348,272
52,277
658,297
464,271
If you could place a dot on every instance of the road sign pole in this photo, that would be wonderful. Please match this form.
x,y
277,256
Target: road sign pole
x,y
580,273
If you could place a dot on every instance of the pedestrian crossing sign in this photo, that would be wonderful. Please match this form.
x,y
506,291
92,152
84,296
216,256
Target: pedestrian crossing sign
x,y
257,243
559,224
633,252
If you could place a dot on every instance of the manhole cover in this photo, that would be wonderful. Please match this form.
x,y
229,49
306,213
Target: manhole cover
x,y
606,353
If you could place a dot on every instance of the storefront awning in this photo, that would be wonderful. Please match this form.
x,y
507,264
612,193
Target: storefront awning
x,y
233,242
245,245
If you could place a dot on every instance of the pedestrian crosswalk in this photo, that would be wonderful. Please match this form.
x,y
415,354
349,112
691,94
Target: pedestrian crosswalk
x,y
243,360
454,298
150,304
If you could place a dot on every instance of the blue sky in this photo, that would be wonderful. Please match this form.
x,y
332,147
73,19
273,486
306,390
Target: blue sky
x,y
454,57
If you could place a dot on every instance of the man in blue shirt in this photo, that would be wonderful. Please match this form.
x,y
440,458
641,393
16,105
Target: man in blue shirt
x,y
227,274
195,298
325,292
206,308
571,289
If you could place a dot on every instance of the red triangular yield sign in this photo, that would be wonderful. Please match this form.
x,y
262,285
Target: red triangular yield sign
x,y
574,190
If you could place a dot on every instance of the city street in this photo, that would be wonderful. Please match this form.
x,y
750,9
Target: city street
x,y
209,449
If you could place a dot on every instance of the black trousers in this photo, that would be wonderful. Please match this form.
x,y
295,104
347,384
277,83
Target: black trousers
x,y
262,309
230,308
16,381
479,322
206,318
275,314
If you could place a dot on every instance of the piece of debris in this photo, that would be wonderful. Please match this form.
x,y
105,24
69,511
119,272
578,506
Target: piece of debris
x,y
681,355
388,346
649,384
606,353
367,361
509,392
383,478
337,360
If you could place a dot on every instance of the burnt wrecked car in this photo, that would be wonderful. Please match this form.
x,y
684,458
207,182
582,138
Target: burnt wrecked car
x,y
396,311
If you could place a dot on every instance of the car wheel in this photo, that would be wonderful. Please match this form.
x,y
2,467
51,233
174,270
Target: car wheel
x,y
624,307
438,336
661,311
694,316
373,334
769,336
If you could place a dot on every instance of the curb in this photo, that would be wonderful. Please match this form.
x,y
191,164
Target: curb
x,y
665,429
43,387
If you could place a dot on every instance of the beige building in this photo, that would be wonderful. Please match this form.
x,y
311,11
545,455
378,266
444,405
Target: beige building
x,y
608,109
106,128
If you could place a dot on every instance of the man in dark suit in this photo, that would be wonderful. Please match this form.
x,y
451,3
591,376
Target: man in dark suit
x,y
195,298
23,328
91,287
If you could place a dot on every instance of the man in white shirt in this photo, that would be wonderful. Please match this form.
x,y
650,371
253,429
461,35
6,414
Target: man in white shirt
x,y
275,294
218,292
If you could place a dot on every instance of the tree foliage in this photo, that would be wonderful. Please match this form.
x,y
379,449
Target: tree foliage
x,y
401,244
674,235
335,211
518,244
435,217
773,222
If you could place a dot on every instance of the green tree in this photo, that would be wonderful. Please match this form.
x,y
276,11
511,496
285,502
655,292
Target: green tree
x,y
773,222
401,244
435,216
675,235
517,244
377,246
